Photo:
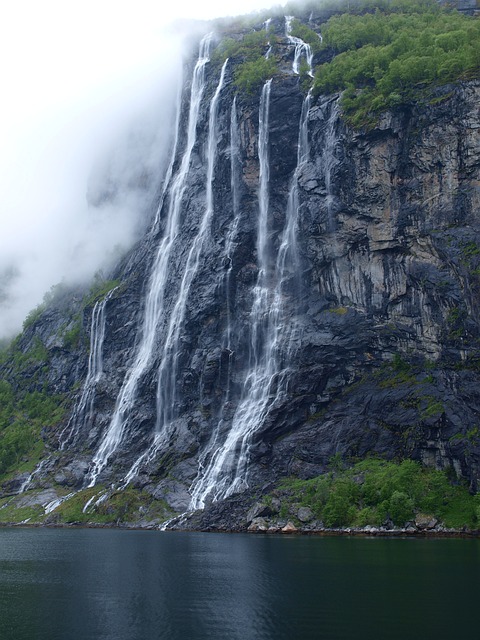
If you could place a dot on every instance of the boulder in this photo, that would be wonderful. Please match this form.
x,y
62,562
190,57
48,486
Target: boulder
x,y
258,524
424,521
305,514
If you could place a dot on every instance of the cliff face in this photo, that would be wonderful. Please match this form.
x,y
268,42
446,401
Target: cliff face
x,y
296,298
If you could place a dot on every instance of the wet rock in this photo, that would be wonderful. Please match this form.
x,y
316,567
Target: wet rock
x,y
424,521
305,514
41,498
382,310
260,509
13,486
258,524
174,493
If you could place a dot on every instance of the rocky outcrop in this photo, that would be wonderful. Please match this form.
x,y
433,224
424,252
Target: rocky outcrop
x,y
383,357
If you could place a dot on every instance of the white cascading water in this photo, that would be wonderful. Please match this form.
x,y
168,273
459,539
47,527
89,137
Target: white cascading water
x,y
266,24
301,48
51,506
169,172
154,306
83,412
28,481
271,330
167,372
329,159
221,476
235,166
288,258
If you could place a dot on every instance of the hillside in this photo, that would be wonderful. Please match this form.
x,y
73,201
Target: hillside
x,y
306,297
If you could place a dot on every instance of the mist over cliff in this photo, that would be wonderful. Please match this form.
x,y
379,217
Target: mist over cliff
x,y
304,290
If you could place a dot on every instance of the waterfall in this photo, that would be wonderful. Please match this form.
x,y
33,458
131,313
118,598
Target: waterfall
x,y
155,298
329,160
301,48
266,25
28,481
271,331
224,473
166,387
169,172
235,165
167,372
51,506
82,415
288,252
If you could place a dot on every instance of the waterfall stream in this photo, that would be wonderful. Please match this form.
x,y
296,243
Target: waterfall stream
x,y
224,460
167,372
269,345
329,159
82,415
301,48
154,306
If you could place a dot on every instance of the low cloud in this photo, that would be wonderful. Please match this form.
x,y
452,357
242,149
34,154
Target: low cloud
x,y
78,170
87,97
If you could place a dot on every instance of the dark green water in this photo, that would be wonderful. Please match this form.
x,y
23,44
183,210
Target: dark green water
x,y
145,585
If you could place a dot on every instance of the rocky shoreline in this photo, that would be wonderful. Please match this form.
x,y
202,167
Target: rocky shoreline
x,y
287,529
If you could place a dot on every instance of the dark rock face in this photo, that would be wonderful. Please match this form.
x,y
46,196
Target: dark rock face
x,y
384,357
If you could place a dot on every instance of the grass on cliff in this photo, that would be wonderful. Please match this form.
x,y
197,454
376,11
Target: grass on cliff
x,y
129,505
120,507
374,491
387,57
25,407
11,513
252,68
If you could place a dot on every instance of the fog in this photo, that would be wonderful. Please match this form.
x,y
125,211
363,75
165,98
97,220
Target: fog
x,y
87,96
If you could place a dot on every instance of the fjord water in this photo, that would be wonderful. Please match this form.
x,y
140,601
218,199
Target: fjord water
x,y
146,585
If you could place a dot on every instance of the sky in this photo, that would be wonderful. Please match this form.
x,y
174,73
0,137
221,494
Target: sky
x,y
85,89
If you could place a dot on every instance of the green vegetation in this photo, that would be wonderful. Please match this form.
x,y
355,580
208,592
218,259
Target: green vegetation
x,y
71,338
252,68
99,289
129,505
397,372
456,323
302,31
252,74
54,293
25,407
375,491
470,252
388,57
22,418
340,311
34,315
10,512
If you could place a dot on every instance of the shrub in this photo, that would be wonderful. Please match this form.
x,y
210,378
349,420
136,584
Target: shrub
x,y
302,31
400,508
252,68
373,490
251,75
338,511
385,58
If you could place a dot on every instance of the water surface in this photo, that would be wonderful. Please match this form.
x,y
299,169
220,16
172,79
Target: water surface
x,y
145,585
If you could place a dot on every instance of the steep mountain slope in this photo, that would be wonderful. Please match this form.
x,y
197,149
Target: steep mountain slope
x,y
307,290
